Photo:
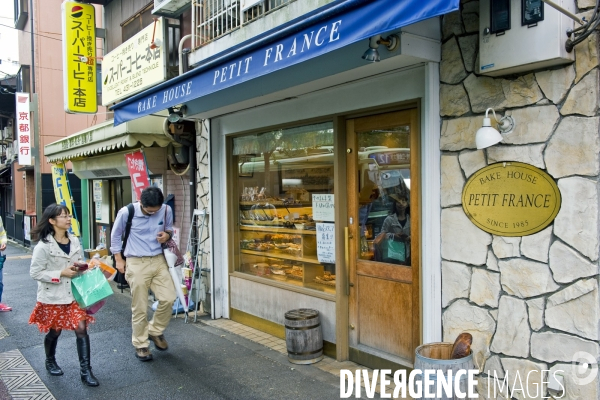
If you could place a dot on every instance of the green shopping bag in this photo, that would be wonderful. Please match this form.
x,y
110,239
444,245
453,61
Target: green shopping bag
x,y
90,287
396,250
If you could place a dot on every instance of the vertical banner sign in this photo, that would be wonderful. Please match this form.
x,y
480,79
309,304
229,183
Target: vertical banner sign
x,y
23,128
62,193
136,163
79,57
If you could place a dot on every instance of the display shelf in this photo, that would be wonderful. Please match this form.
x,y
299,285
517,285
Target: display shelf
x,y
272,254
296,283
274,229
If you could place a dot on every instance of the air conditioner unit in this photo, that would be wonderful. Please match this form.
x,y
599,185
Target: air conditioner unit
x,y
170,8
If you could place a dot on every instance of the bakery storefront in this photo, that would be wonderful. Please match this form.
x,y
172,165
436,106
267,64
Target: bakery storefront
x,y
319,170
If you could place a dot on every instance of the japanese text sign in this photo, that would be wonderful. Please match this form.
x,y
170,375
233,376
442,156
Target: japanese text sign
x,y
323,207
62,194
23,128
79,58
326,242
136,163
135,65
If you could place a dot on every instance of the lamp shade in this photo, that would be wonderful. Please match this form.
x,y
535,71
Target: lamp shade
x,y
487,136
371,55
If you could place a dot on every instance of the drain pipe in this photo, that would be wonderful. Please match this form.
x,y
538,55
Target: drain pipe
x,y
183,68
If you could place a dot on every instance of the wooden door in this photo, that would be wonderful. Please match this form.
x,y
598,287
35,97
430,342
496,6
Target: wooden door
x,y
383,236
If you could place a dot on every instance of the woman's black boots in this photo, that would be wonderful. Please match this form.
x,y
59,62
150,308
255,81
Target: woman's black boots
x,y
50,342
83,349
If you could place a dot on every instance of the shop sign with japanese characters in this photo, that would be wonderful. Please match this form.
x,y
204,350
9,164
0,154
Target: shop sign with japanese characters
x,y
23,128
135,65
511,199
79,57
136,164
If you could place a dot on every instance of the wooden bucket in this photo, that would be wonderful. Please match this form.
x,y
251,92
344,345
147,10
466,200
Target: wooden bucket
x,y
436,356
303,336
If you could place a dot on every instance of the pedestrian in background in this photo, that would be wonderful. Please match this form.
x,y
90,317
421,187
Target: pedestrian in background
x,y
52,265
3,241
145,268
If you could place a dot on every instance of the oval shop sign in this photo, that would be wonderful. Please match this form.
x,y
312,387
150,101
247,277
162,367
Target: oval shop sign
x,y
511,199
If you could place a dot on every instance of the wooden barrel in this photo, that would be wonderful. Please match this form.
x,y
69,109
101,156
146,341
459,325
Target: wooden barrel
x,y
436,356
303,336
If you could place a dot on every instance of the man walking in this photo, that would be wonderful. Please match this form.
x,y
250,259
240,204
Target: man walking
x,y
145,268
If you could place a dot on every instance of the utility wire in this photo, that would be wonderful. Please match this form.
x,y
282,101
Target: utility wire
x,y
581,33
37,34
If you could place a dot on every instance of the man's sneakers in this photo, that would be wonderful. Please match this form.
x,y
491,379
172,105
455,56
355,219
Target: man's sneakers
x,y
159,341
4,307
143,354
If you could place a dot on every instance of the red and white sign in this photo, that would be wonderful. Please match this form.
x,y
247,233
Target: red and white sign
x,y
23,128
136,163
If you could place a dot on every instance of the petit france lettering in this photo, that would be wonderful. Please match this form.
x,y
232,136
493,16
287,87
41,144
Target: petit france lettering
x,y
249,65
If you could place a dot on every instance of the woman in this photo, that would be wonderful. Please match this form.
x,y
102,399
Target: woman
x,y
396,227
56,309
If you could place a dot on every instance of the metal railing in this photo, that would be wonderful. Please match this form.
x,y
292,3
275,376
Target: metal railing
x,y
213,19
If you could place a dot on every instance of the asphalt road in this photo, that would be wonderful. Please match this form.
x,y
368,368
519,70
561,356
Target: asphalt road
x,y
202,362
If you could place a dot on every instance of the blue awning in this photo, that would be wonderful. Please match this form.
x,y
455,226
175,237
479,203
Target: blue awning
x,y
328,28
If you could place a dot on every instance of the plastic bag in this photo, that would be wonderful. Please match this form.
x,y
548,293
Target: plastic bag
x,y
90,287
396,250
177,307
91,310
108,271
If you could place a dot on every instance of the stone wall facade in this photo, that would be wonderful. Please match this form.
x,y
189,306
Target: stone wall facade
x,y
530,302
202,201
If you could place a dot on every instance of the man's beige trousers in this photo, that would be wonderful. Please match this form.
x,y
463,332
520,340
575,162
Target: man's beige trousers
x,y
145,273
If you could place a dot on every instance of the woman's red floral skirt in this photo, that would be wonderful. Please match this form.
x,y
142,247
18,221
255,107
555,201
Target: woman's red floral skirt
x,y
58,316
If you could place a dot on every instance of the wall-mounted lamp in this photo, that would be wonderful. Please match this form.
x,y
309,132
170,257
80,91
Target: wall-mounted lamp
x,y
155,43
176,116
487,136
372,55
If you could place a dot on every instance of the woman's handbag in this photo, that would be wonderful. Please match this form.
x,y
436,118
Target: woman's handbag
x,y
2,259
172,246
90,287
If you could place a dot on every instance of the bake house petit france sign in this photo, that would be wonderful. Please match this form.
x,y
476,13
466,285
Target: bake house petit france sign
x,y
511,199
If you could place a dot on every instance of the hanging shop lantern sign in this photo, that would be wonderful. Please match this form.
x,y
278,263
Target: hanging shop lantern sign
x,y
511,199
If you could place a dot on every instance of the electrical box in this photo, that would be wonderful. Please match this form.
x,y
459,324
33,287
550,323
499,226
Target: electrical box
x,y
522,35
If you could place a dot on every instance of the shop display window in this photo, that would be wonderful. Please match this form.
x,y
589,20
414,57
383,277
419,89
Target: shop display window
x,y
280,176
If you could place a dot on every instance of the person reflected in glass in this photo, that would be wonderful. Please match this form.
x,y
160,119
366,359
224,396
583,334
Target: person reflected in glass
x,y
396,227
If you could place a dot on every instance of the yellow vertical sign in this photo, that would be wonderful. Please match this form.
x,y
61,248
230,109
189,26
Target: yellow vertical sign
x,y
62,193
79,57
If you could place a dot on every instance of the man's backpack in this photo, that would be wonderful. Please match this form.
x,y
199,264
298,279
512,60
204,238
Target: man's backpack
x,y
119,277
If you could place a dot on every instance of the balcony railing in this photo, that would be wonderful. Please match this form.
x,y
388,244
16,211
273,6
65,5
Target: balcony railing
x,y
216,18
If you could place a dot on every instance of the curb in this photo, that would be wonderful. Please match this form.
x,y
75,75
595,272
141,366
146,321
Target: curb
x,y
19,245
